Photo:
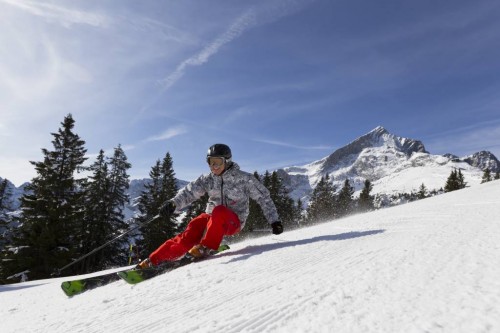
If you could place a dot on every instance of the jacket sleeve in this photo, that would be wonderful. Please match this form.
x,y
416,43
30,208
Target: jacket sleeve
x,y
193,191
261,195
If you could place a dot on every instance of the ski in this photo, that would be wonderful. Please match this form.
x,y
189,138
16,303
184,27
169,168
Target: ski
x,y
134,276
75,287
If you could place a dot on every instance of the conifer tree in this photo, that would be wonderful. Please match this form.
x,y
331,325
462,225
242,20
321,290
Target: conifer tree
x,y
322,202
119,182
298,216
345,200
5,195
486,176
163,187
497,175
5,226
256,219
266,180
365,201
149,204
52,209
461,180
452,182
284,204
97,229
422,192
455,181
118,178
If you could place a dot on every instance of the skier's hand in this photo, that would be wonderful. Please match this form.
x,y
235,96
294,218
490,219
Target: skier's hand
x,y
167,209
277,227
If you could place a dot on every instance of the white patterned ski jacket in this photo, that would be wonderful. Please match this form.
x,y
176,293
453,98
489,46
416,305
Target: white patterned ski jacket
x,y
233,188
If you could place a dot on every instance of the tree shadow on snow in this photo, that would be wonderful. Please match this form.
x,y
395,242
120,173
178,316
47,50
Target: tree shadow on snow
x,y
253,250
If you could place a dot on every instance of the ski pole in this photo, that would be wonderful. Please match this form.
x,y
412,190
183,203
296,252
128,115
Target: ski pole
x,y
58,271
130,253
261,230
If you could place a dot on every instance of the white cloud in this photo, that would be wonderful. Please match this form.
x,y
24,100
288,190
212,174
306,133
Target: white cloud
x,y
242,23
269,12
109,151
3,130
468,140
76,72
290,145
17,169
60,15
168,134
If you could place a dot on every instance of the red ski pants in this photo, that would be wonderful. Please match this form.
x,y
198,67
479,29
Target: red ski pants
x,y
205,229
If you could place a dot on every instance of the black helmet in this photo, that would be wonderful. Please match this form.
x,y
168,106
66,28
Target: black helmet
x,y
220,150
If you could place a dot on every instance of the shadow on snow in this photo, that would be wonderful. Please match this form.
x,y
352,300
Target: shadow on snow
x,y
253,250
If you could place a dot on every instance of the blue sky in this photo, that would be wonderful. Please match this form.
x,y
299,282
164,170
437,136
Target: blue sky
x,y
283,82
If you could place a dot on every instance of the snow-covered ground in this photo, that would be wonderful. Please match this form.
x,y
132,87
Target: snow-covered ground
x,y
428,266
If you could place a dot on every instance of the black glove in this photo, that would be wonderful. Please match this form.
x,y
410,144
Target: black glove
x,y
277,227
167,209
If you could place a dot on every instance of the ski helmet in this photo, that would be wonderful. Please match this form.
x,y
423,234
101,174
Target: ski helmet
x,y
220,150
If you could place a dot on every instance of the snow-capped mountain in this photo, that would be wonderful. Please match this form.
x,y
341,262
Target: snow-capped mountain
x,y
393,164
483,160
15,194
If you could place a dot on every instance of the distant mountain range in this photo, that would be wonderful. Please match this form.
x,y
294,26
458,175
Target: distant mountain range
x,y
393,164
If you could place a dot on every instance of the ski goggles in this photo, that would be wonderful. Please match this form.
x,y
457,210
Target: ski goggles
x,y
216,162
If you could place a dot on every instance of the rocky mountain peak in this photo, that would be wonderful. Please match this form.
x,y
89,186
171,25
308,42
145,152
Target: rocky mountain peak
x,y
484,160
378,131
378,137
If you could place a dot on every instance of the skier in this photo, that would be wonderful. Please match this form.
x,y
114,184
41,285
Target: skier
x,y
229,190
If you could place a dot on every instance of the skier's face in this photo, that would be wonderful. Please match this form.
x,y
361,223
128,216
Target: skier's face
x,y
216,165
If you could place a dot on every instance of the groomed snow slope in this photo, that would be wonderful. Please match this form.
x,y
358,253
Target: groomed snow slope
x,y
429,266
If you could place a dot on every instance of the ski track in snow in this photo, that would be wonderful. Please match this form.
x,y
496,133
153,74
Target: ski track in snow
x,y
428,266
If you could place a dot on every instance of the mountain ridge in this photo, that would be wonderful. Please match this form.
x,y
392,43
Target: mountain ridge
x,y
381,157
